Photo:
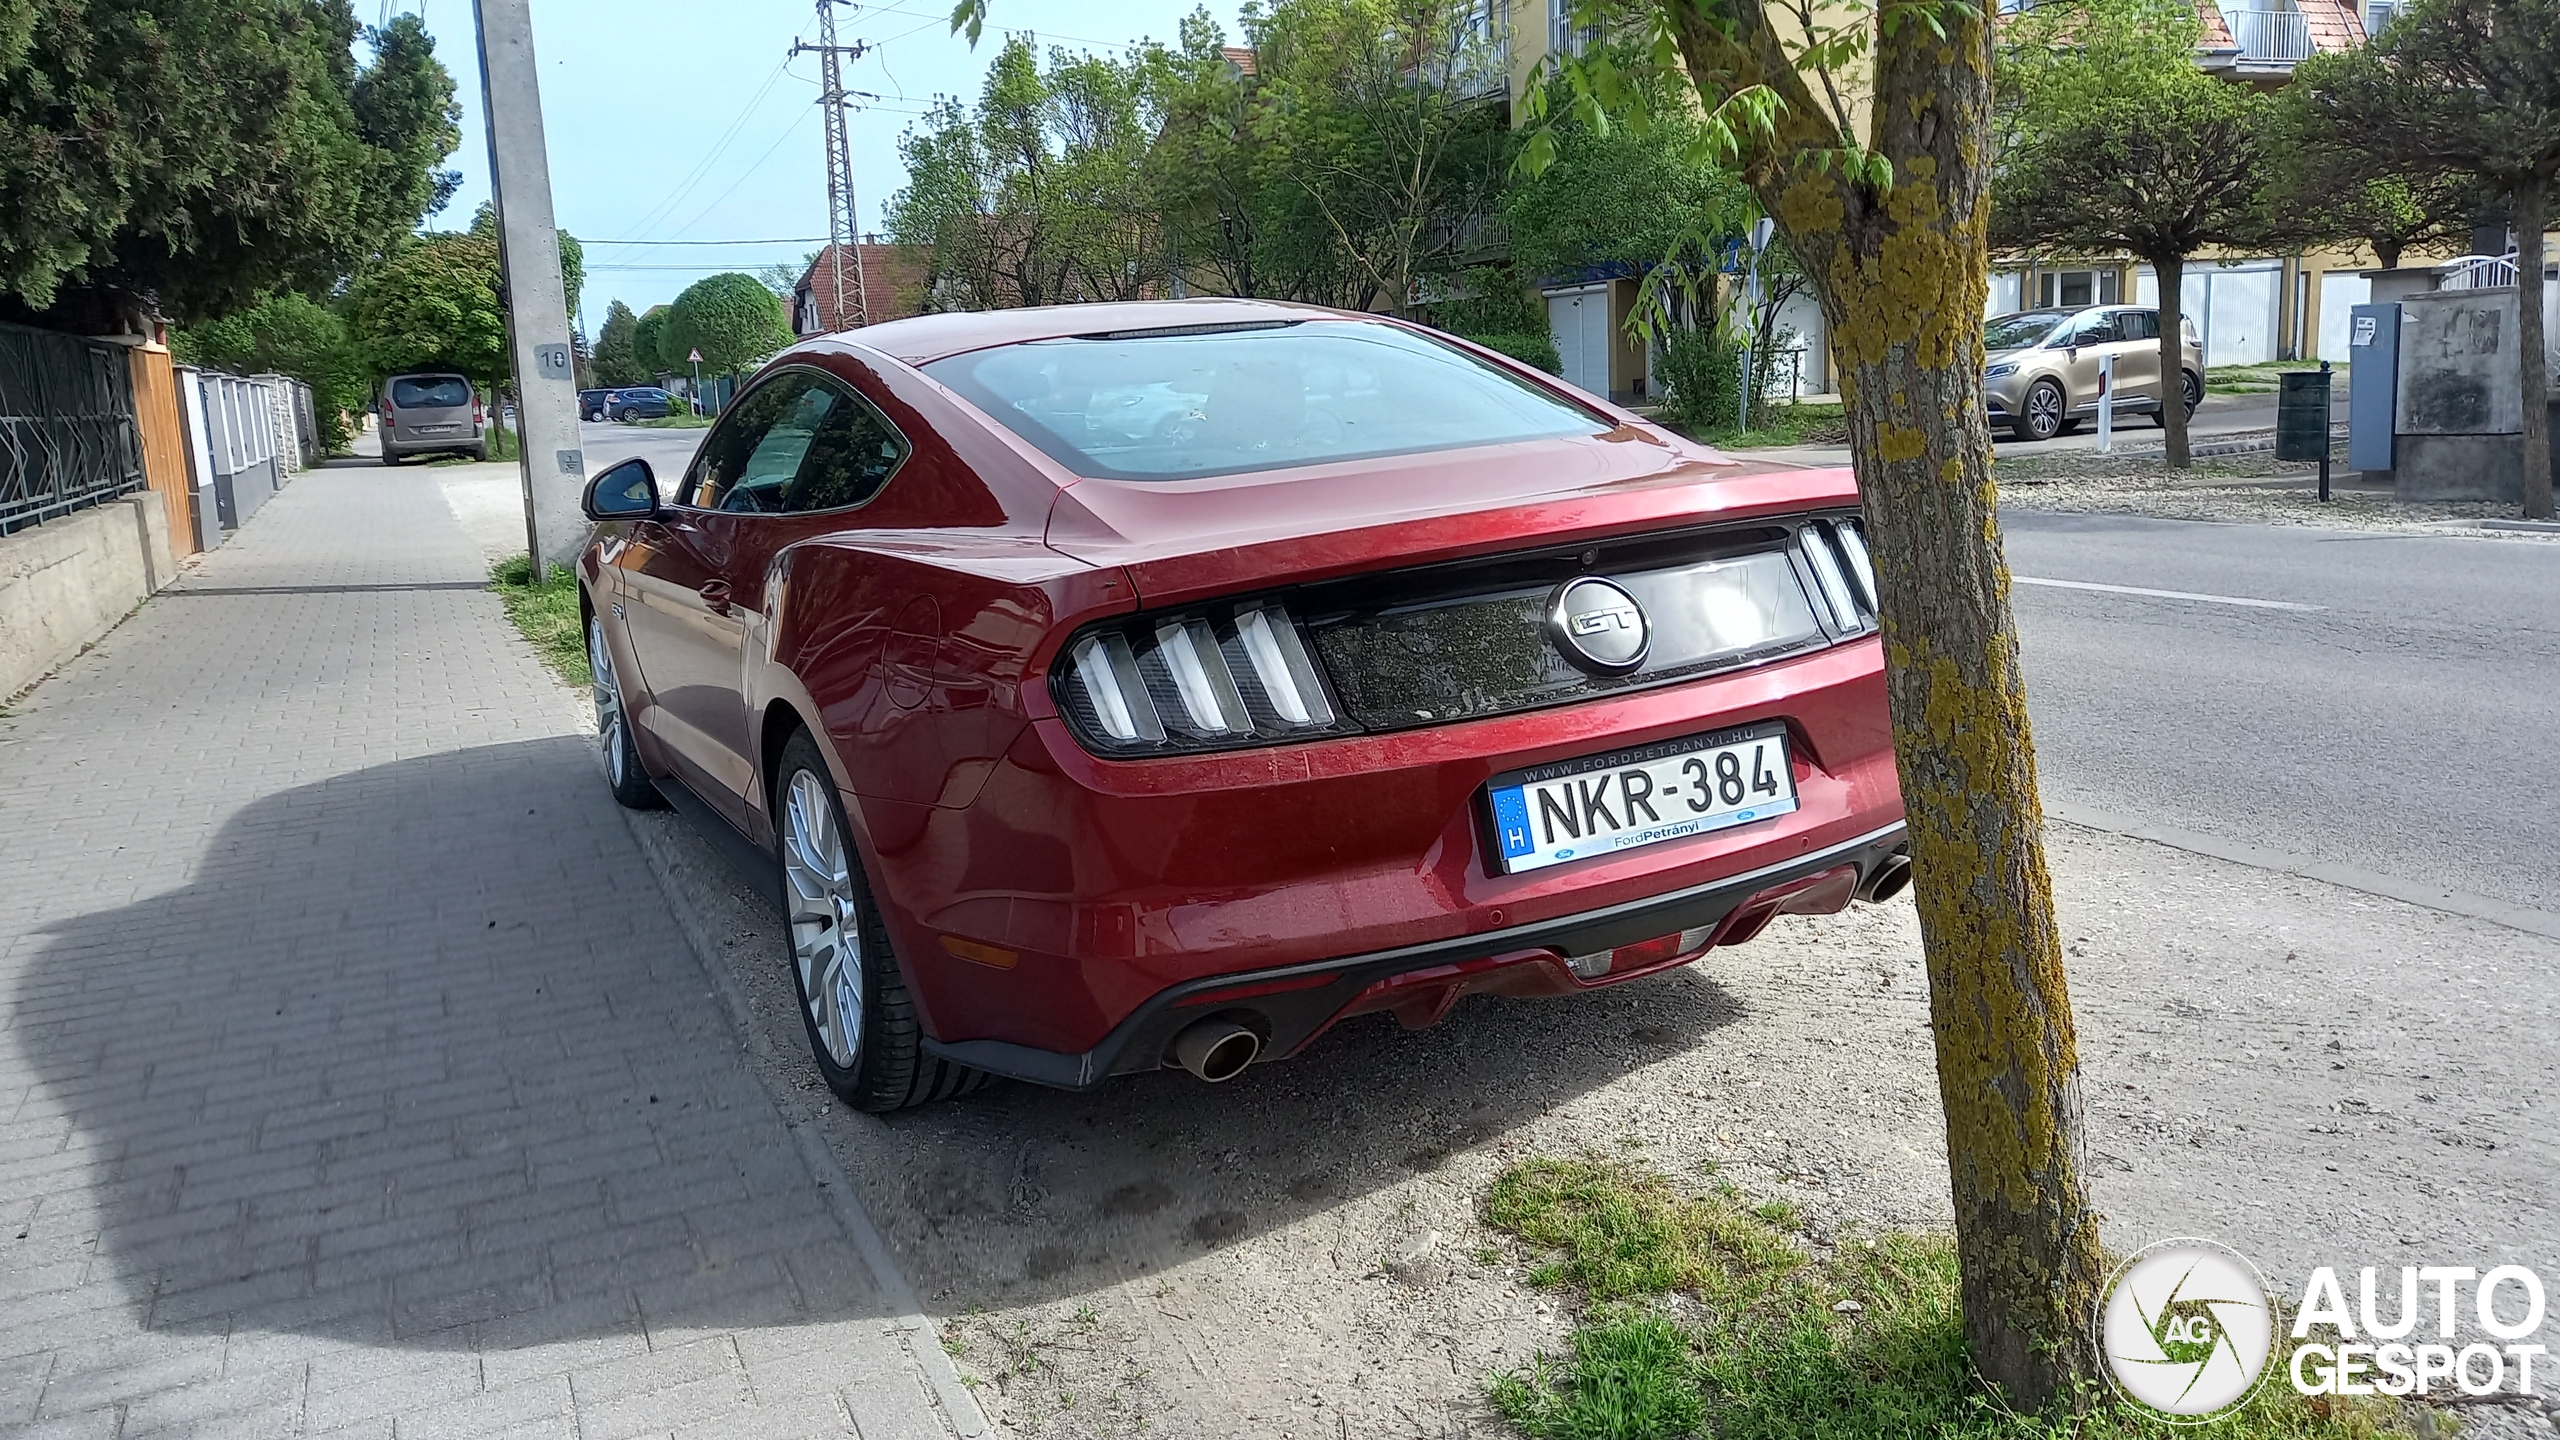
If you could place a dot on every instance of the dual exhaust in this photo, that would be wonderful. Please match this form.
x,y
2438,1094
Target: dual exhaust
x,y
1218,1050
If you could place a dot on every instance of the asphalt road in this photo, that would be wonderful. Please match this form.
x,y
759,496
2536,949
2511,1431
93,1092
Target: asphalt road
x,y
2402,722
667,451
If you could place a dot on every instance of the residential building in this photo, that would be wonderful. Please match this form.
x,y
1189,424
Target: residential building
x,y
892,286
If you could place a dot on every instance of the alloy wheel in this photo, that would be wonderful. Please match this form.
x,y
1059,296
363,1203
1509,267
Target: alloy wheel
x,y
826,925
608,693
2044,412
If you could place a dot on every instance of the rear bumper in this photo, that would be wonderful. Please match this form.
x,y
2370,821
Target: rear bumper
x,y
1291,1005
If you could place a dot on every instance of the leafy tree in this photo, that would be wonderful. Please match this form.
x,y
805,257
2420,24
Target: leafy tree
x,y
731,318
2468,88
194,156
1867,135
2112,138
649,345
1037,195
1620,195
617,348
288,335
2357,194
433,304
1399,169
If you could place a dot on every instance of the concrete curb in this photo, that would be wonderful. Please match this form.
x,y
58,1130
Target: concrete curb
x,y
2430,897
914,1329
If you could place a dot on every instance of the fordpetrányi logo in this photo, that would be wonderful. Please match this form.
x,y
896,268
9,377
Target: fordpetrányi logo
x,y
2189,1333
1598,626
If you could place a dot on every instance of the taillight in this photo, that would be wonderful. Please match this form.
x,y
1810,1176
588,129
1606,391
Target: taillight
x,y
1844,575
475,409
1216,678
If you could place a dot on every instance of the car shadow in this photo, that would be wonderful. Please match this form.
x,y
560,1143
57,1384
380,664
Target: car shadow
x,y
1017,1193
418,1056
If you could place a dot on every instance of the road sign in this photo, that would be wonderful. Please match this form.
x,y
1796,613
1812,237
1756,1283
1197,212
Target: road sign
x,y
693,358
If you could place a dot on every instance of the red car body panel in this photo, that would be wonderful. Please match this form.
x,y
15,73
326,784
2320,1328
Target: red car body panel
x,y
915,635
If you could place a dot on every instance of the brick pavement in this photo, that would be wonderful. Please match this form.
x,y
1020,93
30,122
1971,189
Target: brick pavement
x,y
354,1078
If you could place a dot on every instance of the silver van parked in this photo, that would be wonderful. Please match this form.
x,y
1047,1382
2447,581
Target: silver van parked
x,y
431,414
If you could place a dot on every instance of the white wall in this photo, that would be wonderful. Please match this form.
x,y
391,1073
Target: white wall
x,y
2340,293
2232,307
69,580
2005,289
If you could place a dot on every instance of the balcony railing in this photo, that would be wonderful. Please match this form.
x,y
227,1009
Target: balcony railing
x,y
2278,37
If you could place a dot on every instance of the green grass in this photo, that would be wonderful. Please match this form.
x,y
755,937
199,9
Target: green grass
x,y
1764,1355
546,613
2261,379
676,422
1783,424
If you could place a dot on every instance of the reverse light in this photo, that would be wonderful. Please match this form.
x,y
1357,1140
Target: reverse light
x,y
1216,678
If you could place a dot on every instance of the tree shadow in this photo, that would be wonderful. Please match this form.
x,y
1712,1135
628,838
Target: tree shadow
x,y
419,1057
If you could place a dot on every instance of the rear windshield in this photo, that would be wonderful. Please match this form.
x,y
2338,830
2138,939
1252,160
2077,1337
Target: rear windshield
x,y
432,392
1178,405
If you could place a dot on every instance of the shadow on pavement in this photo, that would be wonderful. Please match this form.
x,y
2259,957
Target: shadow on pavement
x,y
418,1056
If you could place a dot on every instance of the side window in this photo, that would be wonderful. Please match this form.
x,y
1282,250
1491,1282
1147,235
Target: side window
x,y
729,451
851,455
2139,324
2095,329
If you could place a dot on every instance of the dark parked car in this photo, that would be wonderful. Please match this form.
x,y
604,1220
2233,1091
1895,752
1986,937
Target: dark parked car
x,y
593,404
640,402
431,415
1367,670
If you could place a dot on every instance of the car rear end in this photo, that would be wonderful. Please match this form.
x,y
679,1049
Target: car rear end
x,y
427,414
1527,719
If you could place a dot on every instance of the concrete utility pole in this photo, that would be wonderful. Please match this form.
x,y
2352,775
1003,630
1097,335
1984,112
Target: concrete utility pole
x,y
537,309
843,236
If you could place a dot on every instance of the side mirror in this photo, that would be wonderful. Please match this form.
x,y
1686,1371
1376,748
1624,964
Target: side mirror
x,y
627,491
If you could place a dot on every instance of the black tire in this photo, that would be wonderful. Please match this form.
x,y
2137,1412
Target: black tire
x,y
480,456
624,773
627,416
2193,387
2041,415
889,1068
390,459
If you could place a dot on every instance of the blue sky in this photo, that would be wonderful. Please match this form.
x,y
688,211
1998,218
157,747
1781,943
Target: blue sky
x,y
675,122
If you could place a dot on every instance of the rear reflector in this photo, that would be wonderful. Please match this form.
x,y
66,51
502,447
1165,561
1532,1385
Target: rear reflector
x,y
1641,954
977,954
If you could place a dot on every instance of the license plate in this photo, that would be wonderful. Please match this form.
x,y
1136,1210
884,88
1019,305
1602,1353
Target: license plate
x,y
1603,804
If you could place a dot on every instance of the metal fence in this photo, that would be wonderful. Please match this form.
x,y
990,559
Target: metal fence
x,y
67,434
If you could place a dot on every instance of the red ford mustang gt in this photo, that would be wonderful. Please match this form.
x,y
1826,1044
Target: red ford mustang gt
x,y
1118,686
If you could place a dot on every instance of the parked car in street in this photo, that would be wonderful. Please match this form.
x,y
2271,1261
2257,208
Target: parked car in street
x,y
1369,670
2041,373
432,414
639,402
594,404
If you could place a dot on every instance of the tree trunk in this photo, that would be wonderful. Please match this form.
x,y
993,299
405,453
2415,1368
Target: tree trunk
x,y
2171,272
2531,200
1902,277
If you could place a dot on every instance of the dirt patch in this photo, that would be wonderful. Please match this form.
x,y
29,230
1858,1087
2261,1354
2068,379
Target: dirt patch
x,y
2312,1074
2250,489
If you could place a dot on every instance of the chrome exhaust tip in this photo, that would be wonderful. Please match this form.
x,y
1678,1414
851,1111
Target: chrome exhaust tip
x,y
1216,1050
1889,878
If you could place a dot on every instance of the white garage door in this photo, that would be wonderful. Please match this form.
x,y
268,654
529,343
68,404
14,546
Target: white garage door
x,y
1579,320
2340,293
2233,308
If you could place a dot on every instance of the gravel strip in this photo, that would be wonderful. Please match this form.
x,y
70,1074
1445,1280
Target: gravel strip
x,y
2247,489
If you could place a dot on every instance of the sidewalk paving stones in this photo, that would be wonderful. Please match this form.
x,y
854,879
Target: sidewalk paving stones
x,y
354,1076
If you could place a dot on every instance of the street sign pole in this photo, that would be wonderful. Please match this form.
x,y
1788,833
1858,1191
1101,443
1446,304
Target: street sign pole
x,y
551,460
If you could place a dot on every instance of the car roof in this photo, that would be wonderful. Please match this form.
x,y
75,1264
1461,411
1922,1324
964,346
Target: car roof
x,y
923,338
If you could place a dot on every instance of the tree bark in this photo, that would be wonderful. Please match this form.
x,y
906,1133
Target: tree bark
x,y
2171,272
2532,198
1901,271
